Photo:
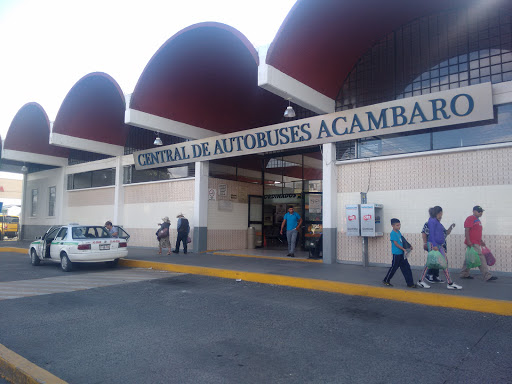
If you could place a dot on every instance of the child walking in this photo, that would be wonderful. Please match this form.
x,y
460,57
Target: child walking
x,y
399,257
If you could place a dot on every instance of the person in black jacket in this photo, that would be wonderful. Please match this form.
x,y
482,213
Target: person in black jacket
x,y
183,231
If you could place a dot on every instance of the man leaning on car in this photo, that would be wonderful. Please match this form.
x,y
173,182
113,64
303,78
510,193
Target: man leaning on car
x,y
114,232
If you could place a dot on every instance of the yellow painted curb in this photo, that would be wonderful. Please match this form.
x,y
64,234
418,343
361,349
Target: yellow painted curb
x,y
13,249
19,370
499,307
268,257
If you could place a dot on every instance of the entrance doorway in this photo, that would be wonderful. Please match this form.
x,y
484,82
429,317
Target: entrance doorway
x,y
292,180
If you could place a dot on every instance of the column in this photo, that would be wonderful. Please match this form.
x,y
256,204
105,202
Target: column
x,y
201,206
118,193
330,203
61,202
23,213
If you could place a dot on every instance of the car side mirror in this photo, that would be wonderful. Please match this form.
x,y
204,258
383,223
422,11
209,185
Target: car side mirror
x,y
38,237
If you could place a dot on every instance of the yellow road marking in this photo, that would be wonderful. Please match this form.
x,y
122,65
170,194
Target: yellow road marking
x,y
499,307
17,369
268,257
13,249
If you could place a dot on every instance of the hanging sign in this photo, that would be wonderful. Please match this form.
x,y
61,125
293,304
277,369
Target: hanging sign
x,y
455,106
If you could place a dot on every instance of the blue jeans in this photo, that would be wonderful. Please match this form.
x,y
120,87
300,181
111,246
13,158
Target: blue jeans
x,y
291,236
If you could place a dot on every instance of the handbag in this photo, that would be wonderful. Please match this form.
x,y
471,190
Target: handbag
x,y
189,240
489,257
436,260
406,244
164,232
472,258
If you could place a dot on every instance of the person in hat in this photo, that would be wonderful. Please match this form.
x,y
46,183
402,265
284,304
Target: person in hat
x,y
163,235
473,232
183,229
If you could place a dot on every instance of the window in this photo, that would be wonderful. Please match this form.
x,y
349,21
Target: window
x,y
51,200
428,55
132,176
495,131
89,232
33,209
92,179
62,233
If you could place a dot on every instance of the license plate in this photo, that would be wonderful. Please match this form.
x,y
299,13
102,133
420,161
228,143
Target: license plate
x,y
104,247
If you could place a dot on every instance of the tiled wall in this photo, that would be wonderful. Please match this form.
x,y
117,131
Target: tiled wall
x,y
90,206
408,186
146,204
228,215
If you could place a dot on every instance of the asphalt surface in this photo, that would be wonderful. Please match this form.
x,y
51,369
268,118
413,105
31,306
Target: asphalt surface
x,y
500,289
195,329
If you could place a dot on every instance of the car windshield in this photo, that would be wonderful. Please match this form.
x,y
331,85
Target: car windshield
x,y
89,232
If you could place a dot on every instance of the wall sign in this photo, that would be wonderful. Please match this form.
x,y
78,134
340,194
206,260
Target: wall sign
x,y
223,189
455,106
212,194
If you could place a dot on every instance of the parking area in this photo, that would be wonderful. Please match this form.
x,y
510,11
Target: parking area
x,y
190,329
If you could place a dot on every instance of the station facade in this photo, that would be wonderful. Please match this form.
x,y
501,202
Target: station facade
x,y
409,104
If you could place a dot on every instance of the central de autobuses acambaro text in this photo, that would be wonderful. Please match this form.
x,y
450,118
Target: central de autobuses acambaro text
x,y
462,105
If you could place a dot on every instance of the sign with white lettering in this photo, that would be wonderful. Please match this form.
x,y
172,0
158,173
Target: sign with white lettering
x,y
455,106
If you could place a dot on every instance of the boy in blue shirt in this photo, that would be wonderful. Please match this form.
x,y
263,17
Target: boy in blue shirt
x,y
399,257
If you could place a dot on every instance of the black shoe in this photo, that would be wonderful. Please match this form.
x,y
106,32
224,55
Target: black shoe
x,y
288,254
387,283
175,251
492,278
412,286
292,255
185,252
468,277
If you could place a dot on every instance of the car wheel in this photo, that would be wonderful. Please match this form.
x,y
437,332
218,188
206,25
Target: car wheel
x,y
113,263
33,258
65,264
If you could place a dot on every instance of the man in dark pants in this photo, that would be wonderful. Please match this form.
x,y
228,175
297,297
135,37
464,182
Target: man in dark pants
x,y
183,231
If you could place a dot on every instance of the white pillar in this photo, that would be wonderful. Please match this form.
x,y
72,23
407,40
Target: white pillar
x,y
118,193
330,203
61,198
23,213
201,206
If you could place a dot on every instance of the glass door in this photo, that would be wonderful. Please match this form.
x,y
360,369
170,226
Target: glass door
x,y
256,217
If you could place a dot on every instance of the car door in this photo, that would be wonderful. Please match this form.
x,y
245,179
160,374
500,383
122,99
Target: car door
x,y
122,234
46,241
58,243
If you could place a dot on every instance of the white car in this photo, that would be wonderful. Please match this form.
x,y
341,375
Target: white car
x,y
79,243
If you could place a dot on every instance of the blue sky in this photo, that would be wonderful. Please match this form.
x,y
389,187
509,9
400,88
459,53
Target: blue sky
x,y
48,45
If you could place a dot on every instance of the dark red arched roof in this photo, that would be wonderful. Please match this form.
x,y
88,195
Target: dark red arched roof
x,y
207,76
93,109
320,40
30,132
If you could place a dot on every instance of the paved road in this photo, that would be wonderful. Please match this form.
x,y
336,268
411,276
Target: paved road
x,y
194,329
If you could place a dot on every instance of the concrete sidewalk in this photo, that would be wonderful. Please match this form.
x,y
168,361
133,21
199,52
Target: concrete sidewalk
x,y
476,295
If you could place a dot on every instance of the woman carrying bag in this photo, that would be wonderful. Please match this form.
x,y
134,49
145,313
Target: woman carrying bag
x,y
163,235
436,239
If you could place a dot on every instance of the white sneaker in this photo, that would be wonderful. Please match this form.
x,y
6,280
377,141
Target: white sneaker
x,y
453,286
422,284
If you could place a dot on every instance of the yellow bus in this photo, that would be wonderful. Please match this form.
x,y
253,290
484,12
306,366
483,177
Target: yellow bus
x,y
9,226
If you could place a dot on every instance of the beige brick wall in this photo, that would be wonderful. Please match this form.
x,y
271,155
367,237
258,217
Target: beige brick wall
x,y
182,190
84,198
408,186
